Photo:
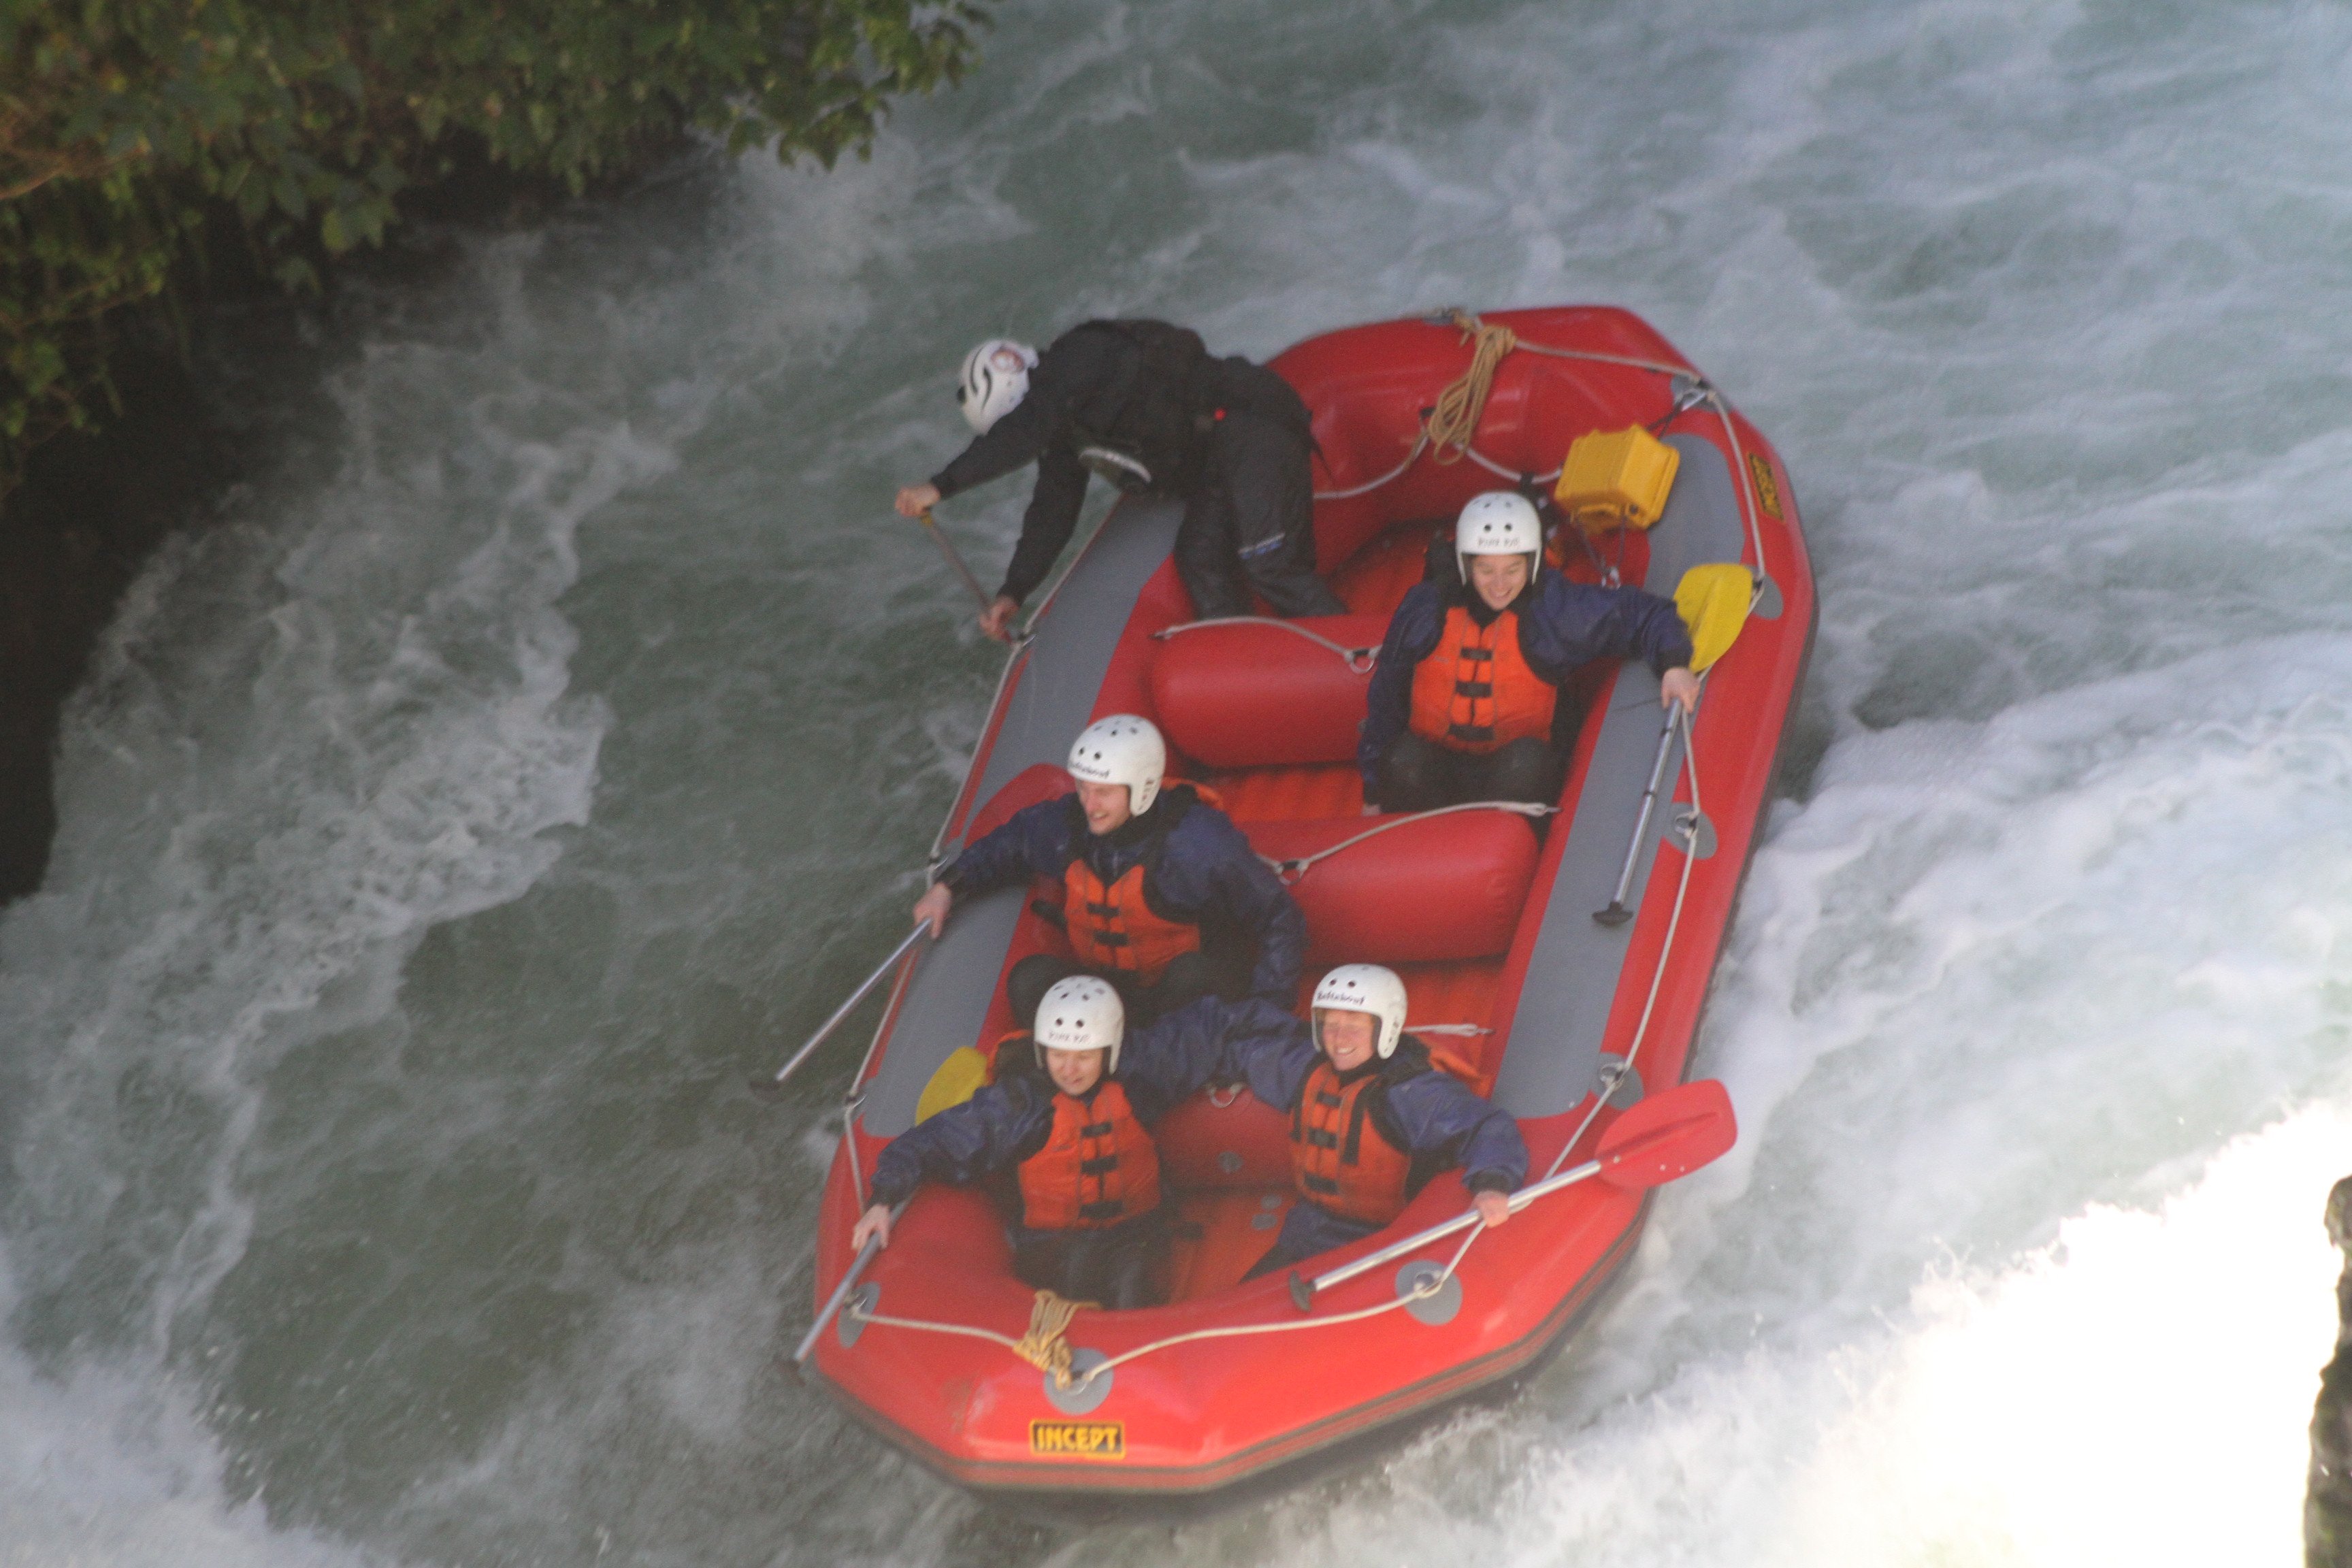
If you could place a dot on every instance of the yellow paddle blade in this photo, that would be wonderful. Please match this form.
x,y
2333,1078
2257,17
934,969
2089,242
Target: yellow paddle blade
x,y
958,1077
1714,601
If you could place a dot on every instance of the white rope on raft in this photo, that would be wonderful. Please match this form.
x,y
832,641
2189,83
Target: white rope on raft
x,y
1513,475
855,1309
1420,445
1616,1075
1359,659
1291,870
1013,658
1747,494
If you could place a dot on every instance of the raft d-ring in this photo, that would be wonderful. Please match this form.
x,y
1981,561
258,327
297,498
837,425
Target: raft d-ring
x,y
1428,1292
850,1321
1363,660
1692,833
1223,1095
1082,1392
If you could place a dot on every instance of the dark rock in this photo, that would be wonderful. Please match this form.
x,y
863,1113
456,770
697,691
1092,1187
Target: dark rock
x,y
91,507
2327,1503
73,533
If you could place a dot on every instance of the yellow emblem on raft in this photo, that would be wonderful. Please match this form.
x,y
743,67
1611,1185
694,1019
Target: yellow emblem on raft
x,y
1079,1439
1768,494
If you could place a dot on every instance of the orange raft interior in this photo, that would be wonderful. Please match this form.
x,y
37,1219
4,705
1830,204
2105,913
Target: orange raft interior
x,y
1488,921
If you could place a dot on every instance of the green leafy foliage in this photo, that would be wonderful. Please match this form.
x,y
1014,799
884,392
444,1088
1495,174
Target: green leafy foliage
x,y
127,127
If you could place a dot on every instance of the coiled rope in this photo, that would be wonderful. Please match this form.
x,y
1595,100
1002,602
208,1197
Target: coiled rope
x,y
1454,419
1043,1346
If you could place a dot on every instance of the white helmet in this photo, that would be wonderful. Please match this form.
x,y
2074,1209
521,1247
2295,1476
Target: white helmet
x,y
995,379
1080,1014
1124,749
1364,988
1499,522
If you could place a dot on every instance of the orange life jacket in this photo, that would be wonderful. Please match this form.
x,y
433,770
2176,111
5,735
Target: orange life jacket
x,y
1098,1166
1340,1162
1476,690
1113,930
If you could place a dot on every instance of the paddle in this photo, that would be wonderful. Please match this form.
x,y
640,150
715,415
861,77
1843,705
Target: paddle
x,y
772,1088
1713,601
1667,1135
955,559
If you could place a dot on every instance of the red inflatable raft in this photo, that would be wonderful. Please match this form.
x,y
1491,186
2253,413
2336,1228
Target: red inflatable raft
x,y
1567,1020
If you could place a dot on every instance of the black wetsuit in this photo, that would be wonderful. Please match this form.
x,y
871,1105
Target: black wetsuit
x,y
1228,437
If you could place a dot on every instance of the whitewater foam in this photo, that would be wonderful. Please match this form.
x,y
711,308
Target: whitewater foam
x,y
553,734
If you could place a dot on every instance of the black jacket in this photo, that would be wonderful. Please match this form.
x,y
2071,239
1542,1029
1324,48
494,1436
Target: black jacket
x,y
1143,388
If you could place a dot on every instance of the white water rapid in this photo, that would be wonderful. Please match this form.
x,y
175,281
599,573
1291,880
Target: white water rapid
x,y
552,729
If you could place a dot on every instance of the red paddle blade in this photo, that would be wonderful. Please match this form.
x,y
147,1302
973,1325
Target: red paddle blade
x,y
1667,1135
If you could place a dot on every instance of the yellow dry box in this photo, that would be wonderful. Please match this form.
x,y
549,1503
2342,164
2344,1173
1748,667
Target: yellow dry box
x,y
1616,478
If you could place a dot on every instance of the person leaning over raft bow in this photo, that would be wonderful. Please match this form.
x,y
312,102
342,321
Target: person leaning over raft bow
x,y
1144,405
1464,699
1162,895
1073,1120
1371,1120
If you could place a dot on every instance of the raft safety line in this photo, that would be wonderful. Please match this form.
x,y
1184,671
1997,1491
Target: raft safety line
x,y
1429,1286
1359,659
1420,445
1747,494
849,1139
1066,1380
855,1101
1616,1075
996,699
1290,871
1706,390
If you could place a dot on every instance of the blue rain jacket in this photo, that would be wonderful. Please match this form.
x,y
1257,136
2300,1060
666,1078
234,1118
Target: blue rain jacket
x,y
1432,1116
1562,625
1208,875
1005,1123
1429,1114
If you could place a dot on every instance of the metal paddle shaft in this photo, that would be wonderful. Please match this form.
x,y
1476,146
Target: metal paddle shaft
x,y
769,1087
1617,914
955,559
1665,1136
826,1313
